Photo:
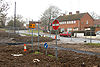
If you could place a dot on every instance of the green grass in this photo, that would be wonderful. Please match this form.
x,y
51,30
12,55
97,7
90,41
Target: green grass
x,y
51,39
50,55
34,35
35,31
95,44
2,29
36,52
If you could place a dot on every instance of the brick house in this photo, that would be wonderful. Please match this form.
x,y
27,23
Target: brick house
x,y
97,25
75,22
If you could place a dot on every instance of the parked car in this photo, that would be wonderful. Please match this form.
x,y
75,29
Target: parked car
x,y
65,34
98,33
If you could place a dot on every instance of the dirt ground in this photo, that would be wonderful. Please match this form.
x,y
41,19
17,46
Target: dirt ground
x,y
83,47
65,58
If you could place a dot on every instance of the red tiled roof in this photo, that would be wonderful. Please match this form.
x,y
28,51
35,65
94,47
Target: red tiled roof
x,y
71,17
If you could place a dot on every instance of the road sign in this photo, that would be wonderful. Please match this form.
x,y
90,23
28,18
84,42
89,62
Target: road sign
x,y
55,24
31,25
45,45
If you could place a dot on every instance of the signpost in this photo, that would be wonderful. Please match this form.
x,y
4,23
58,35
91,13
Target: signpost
x,y
46,46
38,37
50,28
55,26
32,26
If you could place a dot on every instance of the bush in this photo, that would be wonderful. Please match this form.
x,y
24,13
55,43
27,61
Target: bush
x,y
54,32
44,31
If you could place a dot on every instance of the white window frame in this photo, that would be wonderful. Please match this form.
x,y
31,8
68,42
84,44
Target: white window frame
x,y
87,22
64,22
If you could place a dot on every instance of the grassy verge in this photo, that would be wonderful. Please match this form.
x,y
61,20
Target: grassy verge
x,y
33,35
35,31
2,29
95,44
29,34
50,55
36,52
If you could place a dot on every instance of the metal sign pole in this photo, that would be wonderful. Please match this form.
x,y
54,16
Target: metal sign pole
x,y
46,51
56,44
38,36
71,36
50,24
32,39
50,32
55,26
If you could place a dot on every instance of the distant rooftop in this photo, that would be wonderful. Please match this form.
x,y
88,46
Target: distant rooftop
x,y
71,16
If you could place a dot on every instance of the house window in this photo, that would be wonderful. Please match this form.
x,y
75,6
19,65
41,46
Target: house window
x,y
74,21
70,22
62,22
69,29
81,22
87,22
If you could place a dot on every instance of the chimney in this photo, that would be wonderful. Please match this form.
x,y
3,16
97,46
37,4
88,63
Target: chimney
x,y
77,12
64,14
70,13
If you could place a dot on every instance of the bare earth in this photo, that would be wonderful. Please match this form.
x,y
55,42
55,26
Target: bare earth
x,y
65,58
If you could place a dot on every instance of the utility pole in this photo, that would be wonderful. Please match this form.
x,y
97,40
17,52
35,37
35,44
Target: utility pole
x,y
50,24
38,38
14,24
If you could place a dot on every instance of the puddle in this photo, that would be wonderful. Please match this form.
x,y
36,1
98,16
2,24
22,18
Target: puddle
x,y
15,43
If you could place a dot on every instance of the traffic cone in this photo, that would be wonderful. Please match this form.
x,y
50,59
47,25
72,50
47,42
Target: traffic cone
x,y
24,47
55,37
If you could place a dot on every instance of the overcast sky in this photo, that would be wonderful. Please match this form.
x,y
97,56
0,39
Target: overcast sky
x,y
32,9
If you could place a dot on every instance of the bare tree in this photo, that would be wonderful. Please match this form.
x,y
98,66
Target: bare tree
x,y
19,21
3,12
50,13
94,15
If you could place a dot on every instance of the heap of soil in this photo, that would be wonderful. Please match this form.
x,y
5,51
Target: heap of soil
x,y
9,37
65,58
28,39
6,34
